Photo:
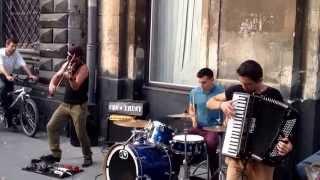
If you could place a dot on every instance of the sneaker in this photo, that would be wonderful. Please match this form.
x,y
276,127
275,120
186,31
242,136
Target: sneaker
x,y
87,162
50,159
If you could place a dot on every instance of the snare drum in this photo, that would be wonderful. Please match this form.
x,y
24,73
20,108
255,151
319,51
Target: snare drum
x,y
160,133
195,144
137,161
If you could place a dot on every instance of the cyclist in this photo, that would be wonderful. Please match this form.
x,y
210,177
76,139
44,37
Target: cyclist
x,y
10,59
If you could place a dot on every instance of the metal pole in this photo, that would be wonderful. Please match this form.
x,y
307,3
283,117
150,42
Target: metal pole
x,y
92,49
1,23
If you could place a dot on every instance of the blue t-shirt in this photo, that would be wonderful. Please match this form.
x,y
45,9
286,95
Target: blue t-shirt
x,y
205,117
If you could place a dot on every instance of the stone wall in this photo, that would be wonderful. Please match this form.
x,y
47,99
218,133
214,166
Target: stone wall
x,y
62,25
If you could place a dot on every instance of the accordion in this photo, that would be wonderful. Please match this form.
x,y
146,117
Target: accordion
x,y
256,128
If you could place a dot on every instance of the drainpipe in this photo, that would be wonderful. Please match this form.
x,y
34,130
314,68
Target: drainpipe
x,y
92,50
1,24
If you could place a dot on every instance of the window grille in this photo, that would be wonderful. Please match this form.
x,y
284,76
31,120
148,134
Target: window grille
x,y
21,20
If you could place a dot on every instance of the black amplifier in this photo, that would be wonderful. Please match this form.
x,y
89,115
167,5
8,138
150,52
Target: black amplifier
x,y
128,107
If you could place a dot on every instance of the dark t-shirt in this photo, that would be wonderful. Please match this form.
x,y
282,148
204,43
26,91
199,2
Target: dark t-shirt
x,y
76,96
269,92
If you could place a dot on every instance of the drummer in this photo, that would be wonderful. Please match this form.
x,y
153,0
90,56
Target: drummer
x,y
203,117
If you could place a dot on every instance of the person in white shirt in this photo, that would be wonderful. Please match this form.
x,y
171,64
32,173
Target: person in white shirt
x,y
10,59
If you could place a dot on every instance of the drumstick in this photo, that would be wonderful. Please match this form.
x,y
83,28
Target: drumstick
x,y
194,107
193,104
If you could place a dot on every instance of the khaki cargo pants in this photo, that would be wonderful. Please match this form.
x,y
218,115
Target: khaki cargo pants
x,y
251,170
78,114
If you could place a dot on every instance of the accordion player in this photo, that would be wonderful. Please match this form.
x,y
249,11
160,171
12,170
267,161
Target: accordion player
x,y
256,128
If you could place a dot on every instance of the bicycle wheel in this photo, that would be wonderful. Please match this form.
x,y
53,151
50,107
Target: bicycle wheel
x,y
29,117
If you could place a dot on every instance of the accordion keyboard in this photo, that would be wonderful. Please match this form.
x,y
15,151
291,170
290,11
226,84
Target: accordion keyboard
x,y
232,142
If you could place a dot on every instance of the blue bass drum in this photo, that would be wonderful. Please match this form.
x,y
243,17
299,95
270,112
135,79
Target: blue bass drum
x,y
137,162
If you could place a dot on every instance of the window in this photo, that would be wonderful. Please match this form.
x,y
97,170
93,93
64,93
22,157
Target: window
x,y
21,20
175,42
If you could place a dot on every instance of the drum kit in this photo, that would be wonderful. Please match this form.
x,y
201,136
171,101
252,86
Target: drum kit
x,y
153,151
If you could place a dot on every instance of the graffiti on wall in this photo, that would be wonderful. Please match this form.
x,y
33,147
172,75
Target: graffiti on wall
x,y
255,23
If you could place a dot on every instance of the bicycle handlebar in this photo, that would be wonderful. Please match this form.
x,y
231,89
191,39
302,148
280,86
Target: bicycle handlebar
x,y
24,79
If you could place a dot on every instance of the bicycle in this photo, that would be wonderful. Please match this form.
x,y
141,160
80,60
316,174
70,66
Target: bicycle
x,y
24,109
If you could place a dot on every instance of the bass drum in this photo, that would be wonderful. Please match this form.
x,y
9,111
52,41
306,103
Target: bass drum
x,y
137,161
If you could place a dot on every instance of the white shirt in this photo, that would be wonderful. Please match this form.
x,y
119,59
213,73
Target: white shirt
x,y
14,61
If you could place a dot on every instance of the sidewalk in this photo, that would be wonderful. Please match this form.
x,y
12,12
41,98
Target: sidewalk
x,y
16,151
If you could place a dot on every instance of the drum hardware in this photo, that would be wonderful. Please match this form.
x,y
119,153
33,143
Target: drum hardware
x,y
186,155
182,116
159,134
146,177
220,130
185,163
133,138
220,170
140,136
190,146
206,162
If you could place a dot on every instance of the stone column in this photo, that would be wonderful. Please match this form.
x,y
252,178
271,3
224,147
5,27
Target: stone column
x,y
108,56
311,51
131,48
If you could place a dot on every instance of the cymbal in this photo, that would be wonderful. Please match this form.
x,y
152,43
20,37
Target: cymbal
x,y
215,128
182,115
135,123
116,117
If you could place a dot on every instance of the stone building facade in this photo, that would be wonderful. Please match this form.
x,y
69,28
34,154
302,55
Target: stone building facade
x,y
281,35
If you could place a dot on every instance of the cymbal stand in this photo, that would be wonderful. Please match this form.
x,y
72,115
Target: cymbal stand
x,y
208,163
185,160
220,169
130,138
204,163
